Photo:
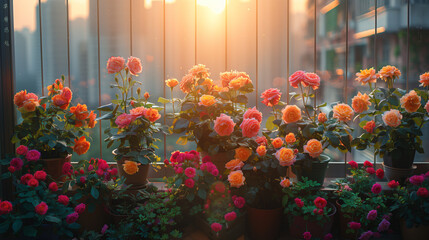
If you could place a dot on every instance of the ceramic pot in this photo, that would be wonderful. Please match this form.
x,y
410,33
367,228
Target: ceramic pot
x,y
138,180
316,171
400,158
264,224
398,174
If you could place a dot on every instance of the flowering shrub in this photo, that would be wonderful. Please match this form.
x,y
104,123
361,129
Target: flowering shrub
x,y
391,117
132,119
50,125
210,114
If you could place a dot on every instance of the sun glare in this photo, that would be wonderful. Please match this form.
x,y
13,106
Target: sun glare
x,y
217,6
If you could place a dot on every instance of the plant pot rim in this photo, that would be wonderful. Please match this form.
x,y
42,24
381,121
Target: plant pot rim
x,y
413,167
57,158
324,158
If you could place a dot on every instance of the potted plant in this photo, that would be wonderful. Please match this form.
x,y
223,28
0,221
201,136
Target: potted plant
x,y
360,203
393,123
132,123
91,185
51,127
39,210
210,115
308,211
411,205
312,131
201,194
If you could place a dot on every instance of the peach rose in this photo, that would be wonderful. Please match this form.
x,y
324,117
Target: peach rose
x,y
171,83
291,113
134,65
238,83
290,138
261,140
296,78
236,178
271,97
261,150
19,98
187,83
92,121
286,156
131,167
427,107
314,148
360,103
389,72
30,105
115,64
322,117
424,79
392,118
138,111
366,76
235,164
285,182
80,111
223,125
199,71
243,153
124,120
250,127
411,101
277,142
227,77
60,101
369,126
207,100
343,112
311,80
253,113
81,146
152,114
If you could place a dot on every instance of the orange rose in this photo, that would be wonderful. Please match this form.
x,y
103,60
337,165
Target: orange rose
x,y
146,95
187,83
314,148
261,150
19,98
253,113
81,146
207,82
411,101
290,138
152,114
237,83
60,101
277,142
236,178
366,76
207,100
131,167
343,112
322,117
57,85
291,113
224,125
199,71
171,82
235,164
285,182
286,156
369,126
243,153
360,103
80,111
389,72
30,105
392,118
138,111
92,121
424,79
227,77
67,94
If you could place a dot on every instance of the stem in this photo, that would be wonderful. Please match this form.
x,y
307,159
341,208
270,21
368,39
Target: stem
x,y
123,90
172,101
275,113
304,102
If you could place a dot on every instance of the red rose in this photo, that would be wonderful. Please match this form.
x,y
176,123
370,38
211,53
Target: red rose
x,y
22,150
33,182
354,225
320,202
380,173
63,199
299,202
5,207
353,164
40,175
11,169
393,184
239,202
423,192
367,164
370,170
53,186
41,208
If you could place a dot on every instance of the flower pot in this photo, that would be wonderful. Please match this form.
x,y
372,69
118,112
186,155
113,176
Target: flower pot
x,y
264,223
138,180
344,220
299,225
400,158
54,167
316,171
95,220
398,174
414,233
220,159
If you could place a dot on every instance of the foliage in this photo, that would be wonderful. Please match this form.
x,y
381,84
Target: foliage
x,y
49,127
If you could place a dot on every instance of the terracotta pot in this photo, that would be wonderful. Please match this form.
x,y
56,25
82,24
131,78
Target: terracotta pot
x,y
220,159
415,233
264,224
137,180
398,174
116,217
317,229
94,220
344,223
54,167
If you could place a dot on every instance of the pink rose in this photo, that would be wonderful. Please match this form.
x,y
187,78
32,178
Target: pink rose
x,y
354,225
178,170
427,107
366,235
239,202
80,208
416,180
134,65
253,113
72,217
261,140
296,78
124,120
17,163
189,183
224,125
383,226
250,127
21,150
32,155
312,80
271,97
190,172
216,227
230,216
306,235
372,215
376,188
115,64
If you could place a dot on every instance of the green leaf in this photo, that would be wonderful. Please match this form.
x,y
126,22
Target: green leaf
x,y
183,140
105,116
181,123
242,99
187,106
163,100
94,192
269,124
107,107
53,219
4,226
190,197
202,193
16,226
